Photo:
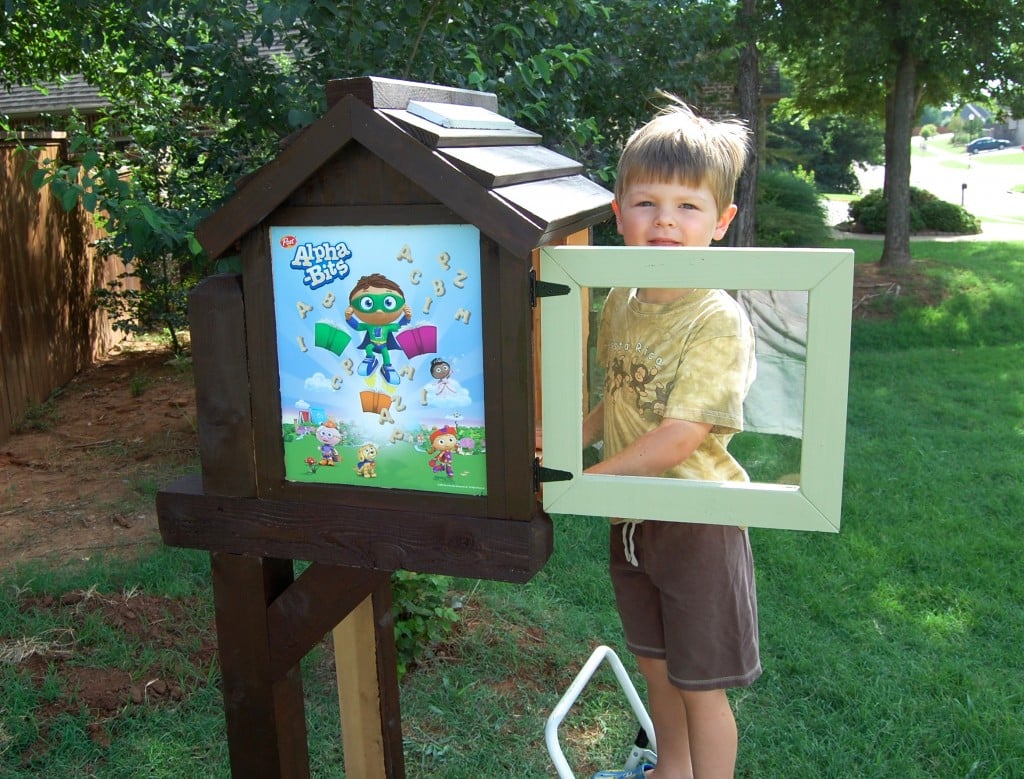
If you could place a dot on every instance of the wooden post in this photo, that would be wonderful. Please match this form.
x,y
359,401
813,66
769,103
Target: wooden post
x,y
266,620
364,650
265,713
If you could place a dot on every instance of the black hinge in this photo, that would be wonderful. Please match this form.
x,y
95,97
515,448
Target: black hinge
x,y
542,474
544,289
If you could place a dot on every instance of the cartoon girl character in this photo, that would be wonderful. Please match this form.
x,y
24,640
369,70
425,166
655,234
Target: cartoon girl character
x,y
444,441
441,371
377,308
329,437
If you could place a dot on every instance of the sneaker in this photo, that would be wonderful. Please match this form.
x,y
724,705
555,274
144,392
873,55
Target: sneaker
x,y
390,375
367,366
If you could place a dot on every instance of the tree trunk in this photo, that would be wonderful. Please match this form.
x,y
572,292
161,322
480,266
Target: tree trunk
x,y
900,107
749,91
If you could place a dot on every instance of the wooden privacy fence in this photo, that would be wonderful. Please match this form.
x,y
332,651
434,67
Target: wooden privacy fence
x,y
48,270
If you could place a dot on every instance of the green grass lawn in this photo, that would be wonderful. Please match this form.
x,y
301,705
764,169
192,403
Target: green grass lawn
x,y
890,649
1012,159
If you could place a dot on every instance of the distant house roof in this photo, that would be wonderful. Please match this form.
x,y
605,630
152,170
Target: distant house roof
x,y
74,93
972,111
20,103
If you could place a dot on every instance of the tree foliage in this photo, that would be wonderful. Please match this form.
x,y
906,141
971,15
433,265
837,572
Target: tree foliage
x,y
887,58
201,90
789,211
830,147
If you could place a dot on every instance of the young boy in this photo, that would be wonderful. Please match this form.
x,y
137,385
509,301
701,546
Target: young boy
x,y
678,365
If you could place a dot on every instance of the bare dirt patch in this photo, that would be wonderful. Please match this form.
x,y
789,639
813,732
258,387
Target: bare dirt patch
x,y
80,475
877,290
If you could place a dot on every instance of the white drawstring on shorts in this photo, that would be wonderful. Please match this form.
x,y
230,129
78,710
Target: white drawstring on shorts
x,y
628,547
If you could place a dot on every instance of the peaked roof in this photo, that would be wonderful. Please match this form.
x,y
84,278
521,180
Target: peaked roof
x,y
974,111
517,192
74,93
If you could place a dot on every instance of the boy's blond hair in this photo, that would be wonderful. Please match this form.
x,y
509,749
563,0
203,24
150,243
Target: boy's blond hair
x,y
678,145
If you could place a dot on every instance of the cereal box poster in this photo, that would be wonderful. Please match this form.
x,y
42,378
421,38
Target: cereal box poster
x,y
380,350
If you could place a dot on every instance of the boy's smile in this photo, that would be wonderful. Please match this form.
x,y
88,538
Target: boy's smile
x,y
670,214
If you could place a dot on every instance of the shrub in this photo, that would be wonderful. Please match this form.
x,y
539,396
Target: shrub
x,y
927,212
868,212
949,218
423,615
789,211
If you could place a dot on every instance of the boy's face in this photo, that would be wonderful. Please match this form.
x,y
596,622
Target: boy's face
x,y
670,214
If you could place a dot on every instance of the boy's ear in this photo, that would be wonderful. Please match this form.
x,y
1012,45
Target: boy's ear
x,y
724,221
618,216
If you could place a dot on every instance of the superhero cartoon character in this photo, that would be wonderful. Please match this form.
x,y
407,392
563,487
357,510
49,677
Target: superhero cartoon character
x,y
443,441
329,437
377,308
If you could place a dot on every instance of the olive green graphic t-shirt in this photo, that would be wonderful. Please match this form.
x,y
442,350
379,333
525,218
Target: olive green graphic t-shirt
x,y
692,359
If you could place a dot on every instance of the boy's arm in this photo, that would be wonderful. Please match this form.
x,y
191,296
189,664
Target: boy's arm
x,y
593,428
656,451
593,425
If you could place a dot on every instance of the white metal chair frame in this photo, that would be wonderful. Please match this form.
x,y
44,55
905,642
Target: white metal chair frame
x,y
566,702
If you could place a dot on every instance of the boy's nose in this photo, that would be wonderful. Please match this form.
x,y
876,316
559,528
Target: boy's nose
x,y
665,217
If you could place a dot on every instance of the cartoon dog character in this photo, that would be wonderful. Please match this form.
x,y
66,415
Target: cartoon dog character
x,y
366,465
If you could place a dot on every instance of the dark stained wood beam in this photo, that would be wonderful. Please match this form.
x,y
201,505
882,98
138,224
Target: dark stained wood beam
x,y
378,539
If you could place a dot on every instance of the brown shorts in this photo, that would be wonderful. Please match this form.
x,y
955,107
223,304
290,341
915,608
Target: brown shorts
x,y
690,601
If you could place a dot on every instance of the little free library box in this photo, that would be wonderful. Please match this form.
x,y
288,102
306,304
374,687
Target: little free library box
x,y
366,391
368,382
